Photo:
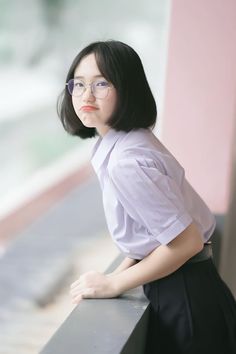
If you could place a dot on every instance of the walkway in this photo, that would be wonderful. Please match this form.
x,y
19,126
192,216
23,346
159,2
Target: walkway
x,y
36,270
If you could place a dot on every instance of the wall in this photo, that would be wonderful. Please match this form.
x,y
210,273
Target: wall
x,y
199,105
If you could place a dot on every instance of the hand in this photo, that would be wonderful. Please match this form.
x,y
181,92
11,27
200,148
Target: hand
x,y
93,285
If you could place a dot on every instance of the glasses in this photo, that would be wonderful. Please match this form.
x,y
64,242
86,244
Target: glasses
x,y
99,88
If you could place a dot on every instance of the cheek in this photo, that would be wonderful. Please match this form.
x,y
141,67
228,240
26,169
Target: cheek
x,y
111,104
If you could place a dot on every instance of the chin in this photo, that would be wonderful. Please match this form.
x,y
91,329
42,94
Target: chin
x,y
88,124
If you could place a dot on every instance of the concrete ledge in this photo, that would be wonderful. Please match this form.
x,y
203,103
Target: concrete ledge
x,y
114,326
104,326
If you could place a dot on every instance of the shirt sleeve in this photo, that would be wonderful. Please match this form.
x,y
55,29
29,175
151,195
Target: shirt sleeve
x,y
150,197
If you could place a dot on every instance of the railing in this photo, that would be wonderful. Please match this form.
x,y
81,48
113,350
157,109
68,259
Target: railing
x,y
112,326
104,326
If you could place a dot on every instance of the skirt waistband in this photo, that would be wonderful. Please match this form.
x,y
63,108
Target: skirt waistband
x,y
203,255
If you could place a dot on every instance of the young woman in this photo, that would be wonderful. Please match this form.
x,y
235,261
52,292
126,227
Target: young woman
x,y
154,215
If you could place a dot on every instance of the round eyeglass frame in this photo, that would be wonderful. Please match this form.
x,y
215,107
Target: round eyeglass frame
x,y
91,89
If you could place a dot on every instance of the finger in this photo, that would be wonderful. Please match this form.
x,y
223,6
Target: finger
x,y
73,285
89,293
77,299
76,291
79,289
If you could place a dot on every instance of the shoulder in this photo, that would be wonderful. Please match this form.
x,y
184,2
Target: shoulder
x,y
139,148
136,138
134,143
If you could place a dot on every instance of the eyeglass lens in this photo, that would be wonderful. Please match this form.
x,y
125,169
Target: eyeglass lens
x,y
98,88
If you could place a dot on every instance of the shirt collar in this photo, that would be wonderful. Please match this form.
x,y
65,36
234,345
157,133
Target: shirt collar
x,y
103,146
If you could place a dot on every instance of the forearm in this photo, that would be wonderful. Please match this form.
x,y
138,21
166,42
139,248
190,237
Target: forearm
x,y
158,264
163,261
125,264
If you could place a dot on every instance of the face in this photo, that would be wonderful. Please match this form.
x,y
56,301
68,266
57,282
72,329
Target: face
x,y
93,112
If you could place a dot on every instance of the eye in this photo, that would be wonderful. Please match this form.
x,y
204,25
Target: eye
x,y
78,84
102,83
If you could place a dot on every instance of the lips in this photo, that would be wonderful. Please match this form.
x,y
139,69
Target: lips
x,y
88,108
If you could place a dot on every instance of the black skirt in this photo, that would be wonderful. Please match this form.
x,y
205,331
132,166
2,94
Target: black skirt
x,y
192,311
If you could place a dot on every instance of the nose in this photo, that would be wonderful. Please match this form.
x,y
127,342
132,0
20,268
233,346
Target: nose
x,y
88,95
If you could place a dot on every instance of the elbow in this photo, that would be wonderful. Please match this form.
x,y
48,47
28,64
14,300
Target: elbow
x,y
197,243
189,242
198,246
192,240
194,247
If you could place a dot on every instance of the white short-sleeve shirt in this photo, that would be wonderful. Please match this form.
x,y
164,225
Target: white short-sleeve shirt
x,y
146,197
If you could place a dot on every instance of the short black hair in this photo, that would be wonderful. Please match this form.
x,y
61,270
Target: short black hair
x,y
121,65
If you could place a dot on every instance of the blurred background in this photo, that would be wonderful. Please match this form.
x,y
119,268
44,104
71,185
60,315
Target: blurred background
x,y
48,191
52,225
39,40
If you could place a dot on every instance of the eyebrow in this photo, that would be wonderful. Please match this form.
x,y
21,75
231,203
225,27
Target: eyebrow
x,y
83,77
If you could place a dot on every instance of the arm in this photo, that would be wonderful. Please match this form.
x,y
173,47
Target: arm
x,y
161,262
126,263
